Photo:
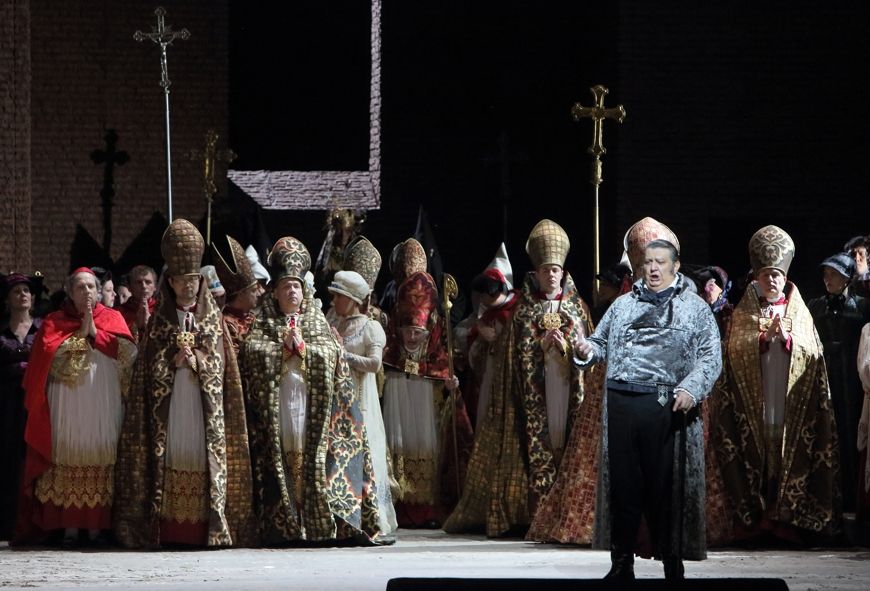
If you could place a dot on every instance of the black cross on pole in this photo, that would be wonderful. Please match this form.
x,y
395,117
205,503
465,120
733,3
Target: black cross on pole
x,y
110,157
164,36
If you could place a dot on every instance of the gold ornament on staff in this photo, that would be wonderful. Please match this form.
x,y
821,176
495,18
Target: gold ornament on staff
x,y
210,155
450,291
598,113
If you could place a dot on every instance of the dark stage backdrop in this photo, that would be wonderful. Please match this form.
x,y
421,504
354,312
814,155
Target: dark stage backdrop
x,y
736,118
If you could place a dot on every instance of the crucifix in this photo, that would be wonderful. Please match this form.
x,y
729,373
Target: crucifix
x,y
110,157
598,113
211,155
164,36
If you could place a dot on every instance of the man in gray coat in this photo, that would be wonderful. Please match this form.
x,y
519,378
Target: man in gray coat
x,y
661,345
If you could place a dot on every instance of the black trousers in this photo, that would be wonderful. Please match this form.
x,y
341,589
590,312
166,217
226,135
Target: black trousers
x,y
640,441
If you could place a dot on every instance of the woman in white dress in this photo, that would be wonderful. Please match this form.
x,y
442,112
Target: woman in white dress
x,y
363,340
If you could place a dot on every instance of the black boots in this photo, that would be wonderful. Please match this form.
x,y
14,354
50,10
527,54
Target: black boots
x,y
621,566
674,570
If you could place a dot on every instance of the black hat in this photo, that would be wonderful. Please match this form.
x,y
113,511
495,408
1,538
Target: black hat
x,y
841,263
34,282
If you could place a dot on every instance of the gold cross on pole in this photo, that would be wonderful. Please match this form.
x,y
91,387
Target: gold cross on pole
x,y
598,113
210,155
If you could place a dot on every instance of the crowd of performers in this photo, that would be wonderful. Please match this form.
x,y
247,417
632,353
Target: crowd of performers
x,y
227,407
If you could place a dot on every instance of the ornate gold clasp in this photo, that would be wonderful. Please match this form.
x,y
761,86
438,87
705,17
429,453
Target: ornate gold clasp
x,y
551,321
412,367
185,339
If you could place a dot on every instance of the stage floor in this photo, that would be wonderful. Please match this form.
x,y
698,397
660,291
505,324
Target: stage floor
x,y
417,553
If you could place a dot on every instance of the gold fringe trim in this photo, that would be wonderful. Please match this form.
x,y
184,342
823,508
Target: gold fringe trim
x,y
76,486
186,496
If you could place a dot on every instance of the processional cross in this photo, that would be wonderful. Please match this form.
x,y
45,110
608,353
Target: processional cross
x,y
211,155
598,113
164,36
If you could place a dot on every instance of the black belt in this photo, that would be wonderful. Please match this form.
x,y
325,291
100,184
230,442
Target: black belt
x,y
639,388
663,392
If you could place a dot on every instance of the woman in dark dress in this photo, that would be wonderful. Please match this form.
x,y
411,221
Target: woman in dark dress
x,y
17,329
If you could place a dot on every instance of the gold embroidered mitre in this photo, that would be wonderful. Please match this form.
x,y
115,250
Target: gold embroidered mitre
x,y
548,244
771,247
182,248
361,256
236,275
288,258
407,258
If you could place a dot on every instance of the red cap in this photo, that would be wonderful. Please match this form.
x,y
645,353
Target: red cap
x,y
495,275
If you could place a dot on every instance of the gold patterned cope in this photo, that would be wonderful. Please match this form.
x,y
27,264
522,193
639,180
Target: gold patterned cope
x,y
336,478
803,492
574,314
567,514
496,492
361,256
506,478
548,244
141,476
771,246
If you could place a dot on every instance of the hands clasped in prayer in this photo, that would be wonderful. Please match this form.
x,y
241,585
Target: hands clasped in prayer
x,y
88,327
143,314
293,342
776,330
185,357
554,338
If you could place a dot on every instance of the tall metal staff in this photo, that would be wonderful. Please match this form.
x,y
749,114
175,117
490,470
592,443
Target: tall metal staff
x,y
450,291
164,36
210,157
598,114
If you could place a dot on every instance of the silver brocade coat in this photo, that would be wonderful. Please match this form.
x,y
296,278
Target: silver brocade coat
x,y
675,343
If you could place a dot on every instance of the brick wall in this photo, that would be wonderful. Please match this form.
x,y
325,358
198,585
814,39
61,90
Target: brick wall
x,y
15,142
89,75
